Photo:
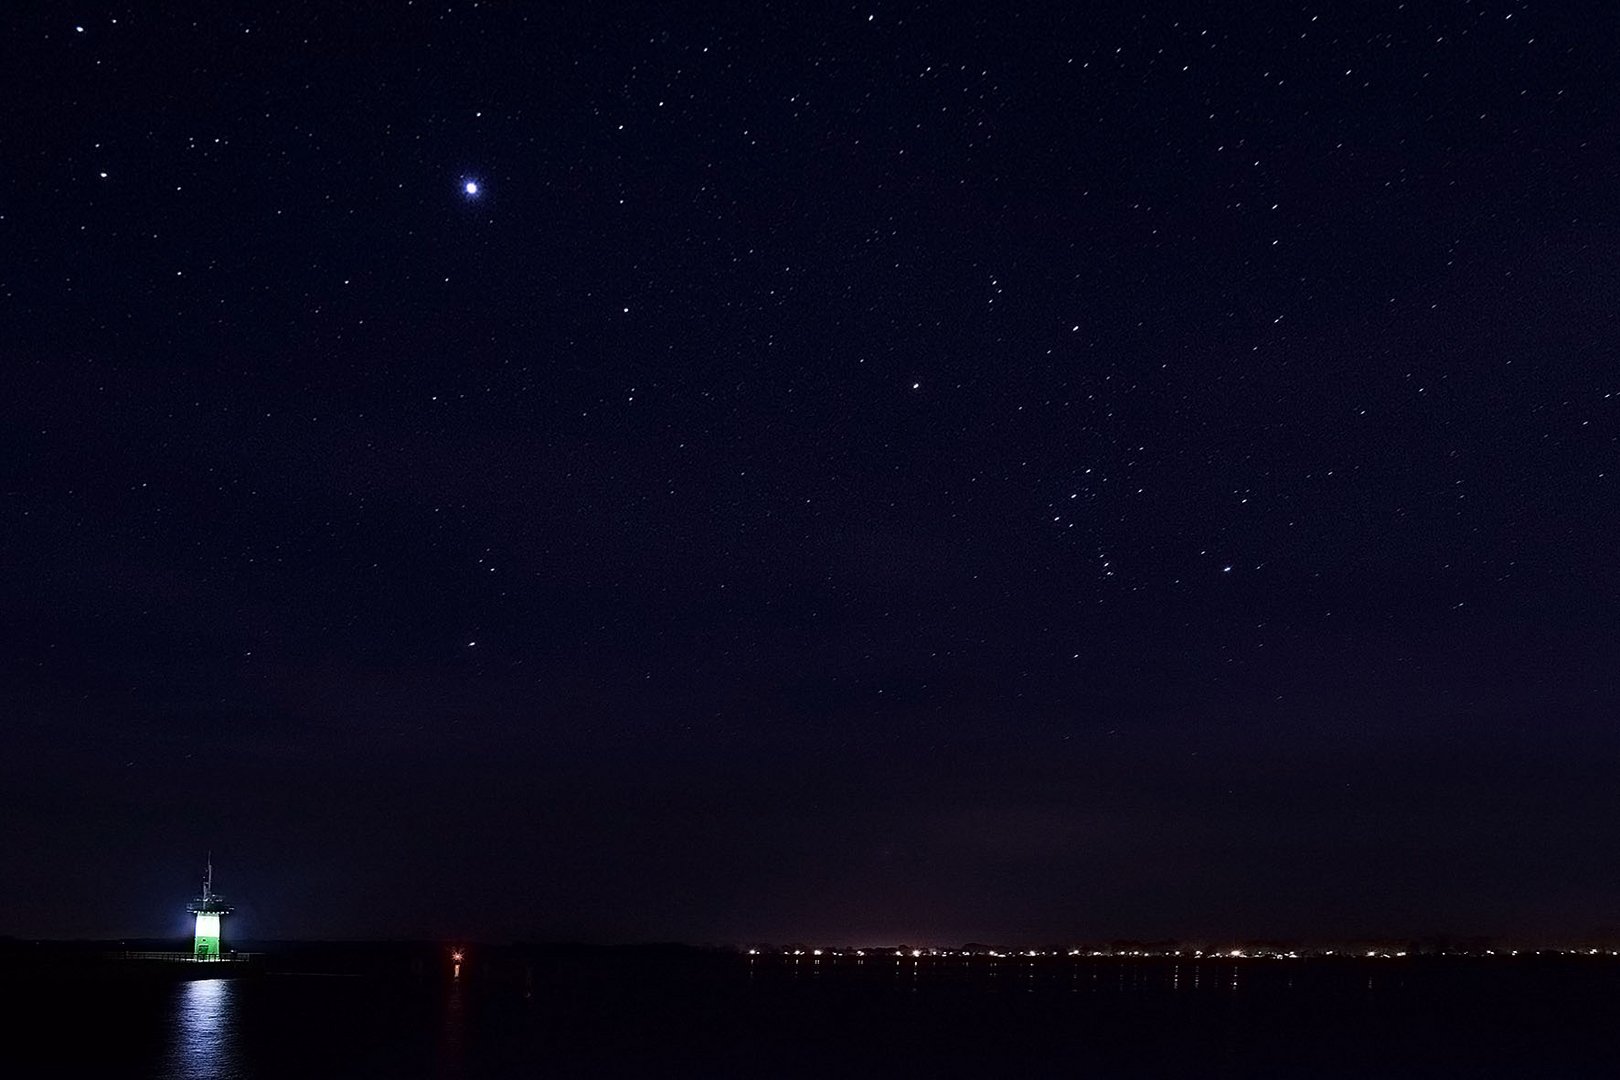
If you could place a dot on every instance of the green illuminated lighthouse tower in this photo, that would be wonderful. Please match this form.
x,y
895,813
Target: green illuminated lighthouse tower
x,y
210,910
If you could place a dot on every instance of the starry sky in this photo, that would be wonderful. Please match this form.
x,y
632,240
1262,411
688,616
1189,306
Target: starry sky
x,y
831,472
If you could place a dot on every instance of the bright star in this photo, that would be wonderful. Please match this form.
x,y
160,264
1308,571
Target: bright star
x,y
471,187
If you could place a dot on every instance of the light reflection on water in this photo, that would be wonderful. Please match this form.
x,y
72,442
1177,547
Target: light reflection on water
x,y
453,1035
204,1023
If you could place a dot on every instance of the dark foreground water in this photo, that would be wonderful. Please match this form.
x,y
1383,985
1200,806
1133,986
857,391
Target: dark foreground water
x,y
720,1016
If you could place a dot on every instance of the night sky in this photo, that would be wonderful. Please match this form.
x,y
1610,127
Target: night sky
x,y
810,472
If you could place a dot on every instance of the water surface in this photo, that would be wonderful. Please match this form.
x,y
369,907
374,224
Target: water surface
x,y
733,1016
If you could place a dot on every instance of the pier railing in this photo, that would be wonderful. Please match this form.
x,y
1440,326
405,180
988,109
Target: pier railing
x,y
145,954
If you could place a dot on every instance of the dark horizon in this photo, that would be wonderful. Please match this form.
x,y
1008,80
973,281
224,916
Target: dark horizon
x,y
1603,944
893,472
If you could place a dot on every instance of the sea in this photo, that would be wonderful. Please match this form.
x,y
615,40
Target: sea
x,y
711,1013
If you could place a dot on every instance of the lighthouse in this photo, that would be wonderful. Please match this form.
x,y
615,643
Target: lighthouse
x,y
210,910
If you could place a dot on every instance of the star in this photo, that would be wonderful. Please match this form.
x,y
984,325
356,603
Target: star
x,y
471,188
